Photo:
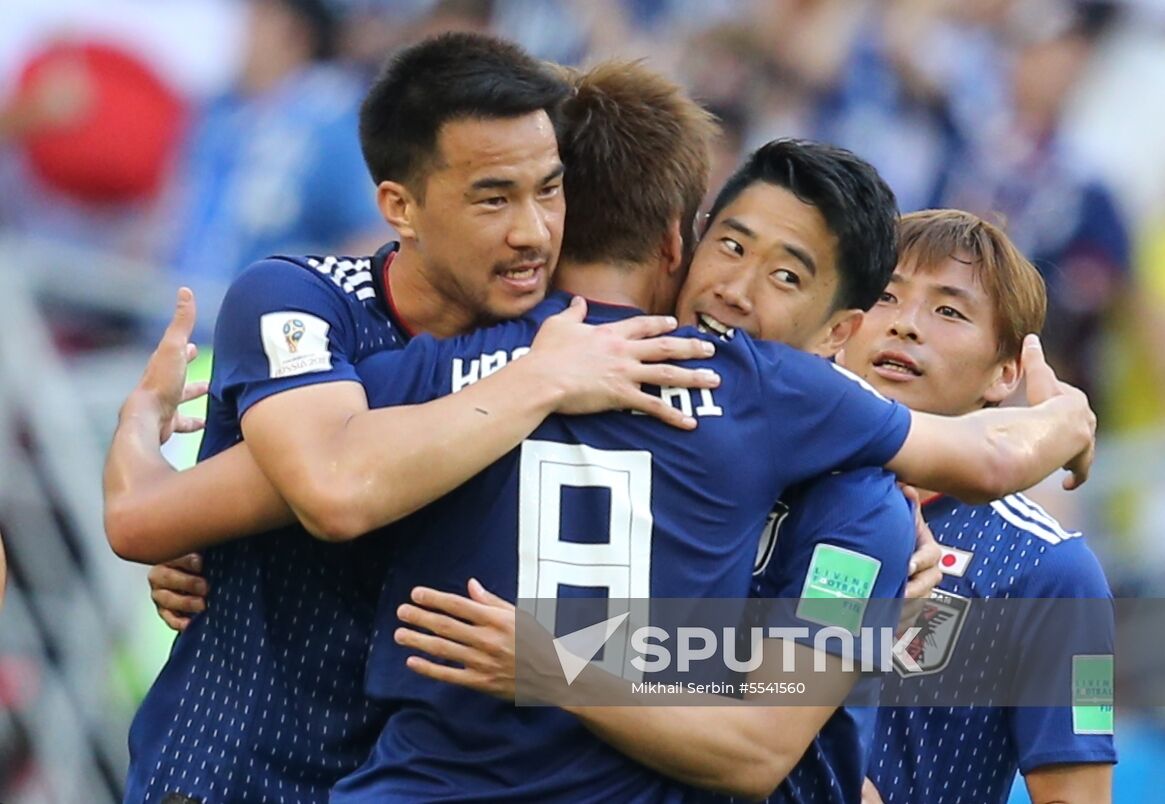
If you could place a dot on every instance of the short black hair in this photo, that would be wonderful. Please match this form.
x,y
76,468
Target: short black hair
x,y
858,206
442,78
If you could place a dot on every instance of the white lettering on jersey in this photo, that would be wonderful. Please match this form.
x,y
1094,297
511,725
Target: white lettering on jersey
x,y
295,343
479,368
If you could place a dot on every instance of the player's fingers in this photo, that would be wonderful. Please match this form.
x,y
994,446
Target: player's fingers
x,y
927,552
176,580
450,675
642,326
188,424
1039,378
439,624
921,584
193,390
191,562
436,647
1079,469
182,324
478,592
910,493
449,603
654,406
665,375
179,604
173,620
669,347
191,352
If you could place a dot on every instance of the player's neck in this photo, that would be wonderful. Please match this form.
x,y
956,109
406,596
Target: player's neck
x,y
419,305
624,284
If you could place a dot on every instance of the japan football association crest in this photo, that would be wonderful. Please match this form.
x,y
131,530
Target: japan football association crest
x,y
941,621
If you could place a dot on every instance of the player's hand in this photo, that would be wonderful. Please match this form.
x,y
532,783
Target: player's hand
x,y
179,590
163,385
476,632
1043,385
924,570
870,793
603,367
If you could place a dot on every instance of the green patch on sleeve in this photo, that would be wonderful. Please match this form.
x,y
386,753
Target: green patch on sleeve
x,y
837,587
1092,694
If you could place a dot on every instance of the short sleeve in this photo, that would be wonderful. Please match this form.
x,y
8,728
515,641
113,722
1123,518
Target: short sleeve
x,y
823,417
281,326
841,552
1080,733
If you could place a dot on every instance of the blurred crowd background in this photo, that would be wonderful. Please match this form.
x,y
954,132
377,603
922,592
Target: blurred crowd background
x,y
145,145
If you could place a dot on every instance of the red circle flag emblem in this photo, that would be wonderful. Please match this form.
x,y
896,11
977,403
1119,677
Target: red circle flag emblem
x,y
118,146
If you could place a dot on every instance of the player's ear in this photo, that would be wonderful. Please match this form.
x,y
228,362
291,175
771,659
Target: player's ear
x,y
840,328
671,249
1006,380
397,206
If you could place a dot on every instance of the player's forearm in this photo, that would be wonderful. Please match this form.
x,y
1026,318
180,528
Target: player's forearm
x,y
154,513
991,453
389,462
722,748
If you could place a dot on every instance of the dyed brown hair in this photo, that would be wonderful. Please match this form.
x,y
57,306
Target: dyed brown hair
x,y
1013,284
636,155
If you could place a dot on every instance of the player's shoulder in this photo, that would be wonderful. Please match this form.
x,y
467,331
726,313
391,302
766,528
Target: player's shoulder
x,y
1059,561
348,278
863,502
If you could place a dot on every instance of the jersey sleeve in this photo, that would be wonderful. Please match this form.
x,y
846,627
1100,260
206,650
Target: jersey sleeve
x,y
1084,656
850,533
824,417
280,327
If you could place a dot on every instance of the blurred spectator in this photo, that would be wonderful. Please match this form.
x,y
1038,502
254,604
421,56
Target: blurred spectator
x,y
1061,216
275,166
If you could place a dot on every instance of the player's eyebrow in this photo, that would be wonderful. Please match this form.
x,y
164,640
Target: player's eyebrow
x,y
801,255
956,292
497,183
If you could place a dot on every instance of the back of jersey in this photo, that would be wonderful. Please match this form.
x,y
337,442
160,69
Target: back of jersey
x,y
610,506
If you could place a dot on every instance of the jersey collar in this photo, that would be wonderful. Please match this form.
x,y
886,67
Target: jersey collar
x,y
381,263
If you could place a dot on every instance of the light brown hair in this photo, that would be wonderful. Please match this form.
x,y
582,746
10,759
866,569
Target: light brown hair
x,y
1015,287
636,155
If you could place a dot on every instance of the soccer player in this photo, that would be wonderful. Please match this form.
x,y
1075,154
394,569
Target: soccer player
x,y
945,337
613,502
261,697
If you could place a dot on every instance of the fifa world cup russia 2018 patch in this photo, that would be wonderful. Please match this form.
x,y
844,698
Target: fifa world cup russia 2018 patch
x,y
838,587
295,343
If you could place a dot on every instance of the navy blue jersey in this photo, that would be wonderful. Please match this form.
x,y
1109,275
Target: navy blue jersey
x,y
861,511
1010,548
261,697
614,505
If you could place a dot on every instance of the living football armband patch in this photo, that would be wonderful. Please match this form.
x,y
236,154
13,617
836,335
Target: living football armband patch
x,y
838,587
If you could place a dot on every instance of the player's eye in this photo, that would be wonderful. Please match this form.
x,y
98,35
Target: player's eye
x,y
950,312
733,246
493,202
787,277
550,190
886,298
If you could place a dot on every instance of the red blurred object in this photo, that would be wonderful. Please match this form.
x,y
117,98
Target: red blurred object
x,y
117,143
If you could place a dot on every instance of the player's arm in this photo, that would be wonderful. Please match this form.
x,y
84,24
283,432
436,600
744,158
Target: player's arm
x,y
990,453
154,513
708,741
1070,784
342,469
349,470
740,749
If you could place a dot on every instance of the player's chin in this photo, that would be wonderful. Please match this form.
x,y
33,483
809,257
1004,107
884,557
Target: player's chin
x,y
510,304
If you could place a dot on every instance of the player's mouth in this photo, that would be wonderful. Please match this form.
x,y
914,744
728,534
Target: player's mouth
x,y
706,323
524,277
896,366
